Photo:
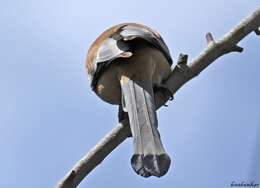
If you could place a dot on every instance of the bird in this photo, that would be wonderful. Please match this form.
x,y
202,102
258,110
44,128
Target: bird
x,y
126,65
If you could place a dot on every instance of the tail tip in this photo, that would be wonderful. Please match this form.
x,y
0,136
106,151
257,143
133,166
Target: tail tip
x,y
151,165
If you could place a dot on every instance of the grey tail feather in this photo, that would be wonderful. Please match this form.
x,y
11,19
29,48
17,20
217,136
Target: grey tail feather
x,y
149,158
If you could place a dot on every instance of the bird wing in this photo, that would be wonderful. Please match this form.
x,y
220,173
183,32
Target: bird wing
x,y
131,32
117,43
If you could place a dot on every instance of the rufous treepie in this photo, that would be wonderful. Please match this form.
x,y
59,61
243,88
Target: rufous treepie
x,y
126,64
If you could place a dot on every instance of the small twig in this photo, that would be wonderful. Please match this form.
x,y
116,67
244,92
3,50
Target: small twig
x,y
237,48
209,38
182,64
183,59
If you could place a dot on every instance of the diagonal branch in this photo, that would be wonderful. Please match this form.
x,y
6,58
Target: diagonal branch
x,y
181,74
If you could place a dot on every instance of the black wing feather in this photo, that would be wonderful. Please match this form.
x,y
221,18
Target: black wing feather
x,y
118,43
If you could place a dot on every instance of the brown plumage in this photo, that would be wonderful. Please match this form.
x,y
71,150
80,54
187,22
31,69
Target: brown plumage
x,y
125,64
92,52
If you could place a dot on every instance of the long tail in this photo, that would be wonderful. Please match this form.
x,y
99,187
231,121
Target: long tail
x,y
149,156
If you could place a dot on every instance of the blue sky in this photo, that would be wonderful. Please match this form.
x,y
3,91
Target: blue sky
x,y
50,118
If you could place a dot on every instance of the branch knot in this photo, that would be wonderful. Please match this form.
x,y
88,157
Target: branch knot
x,y
182,63
209,38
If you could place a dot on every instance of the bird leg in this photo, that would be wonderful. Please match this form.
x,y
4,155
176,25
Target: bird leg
x,y
122,114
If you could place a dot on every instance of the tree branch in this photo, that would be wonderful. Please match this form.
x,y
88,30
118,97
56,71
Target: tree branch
x,y
181,74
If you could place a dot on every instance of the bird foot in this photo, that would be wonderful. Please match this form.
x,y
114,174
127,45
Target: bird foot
x,y
165,91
